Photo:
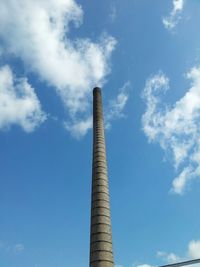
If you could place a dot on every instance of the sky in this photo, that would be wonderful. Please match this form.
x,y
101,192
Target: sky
x,y
145,55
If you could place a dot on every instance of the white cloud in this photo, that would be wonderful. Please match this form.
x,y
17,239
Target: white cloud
x,y
80,127
179,183
172,20
117,105
176,128
144,265
18,102
168,257
193,252
38,33
194,249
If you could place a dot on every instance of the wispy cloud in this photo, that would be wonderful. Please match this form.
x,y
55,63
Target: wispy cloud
x,y
10,248
19,104
37,32
113,12
116,106
18,248
145,265
175,128
79,128
4,245
115,110
168,257
172,20
192,252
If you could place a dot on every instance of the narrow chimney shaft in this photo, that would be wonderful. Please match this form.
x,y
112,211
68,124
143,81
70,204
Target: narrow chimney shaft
x,y
101,253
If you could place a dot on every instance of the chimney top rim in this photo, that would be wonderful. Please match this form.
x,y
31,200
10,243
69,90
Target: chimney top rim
x,y
96,89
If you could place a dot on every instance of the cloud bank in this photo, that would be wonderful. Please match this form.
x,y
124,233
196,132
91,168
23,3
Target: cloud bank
x,y
172,20
19,104
175,128
38,33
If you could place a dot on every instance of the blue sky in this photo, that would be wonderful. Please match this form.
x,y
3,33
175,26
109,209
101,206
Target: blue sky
x,y
146,57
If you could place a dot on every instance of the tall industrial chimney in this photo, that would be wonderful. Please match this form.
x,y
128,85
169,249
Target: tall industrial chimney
x,y
101,253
